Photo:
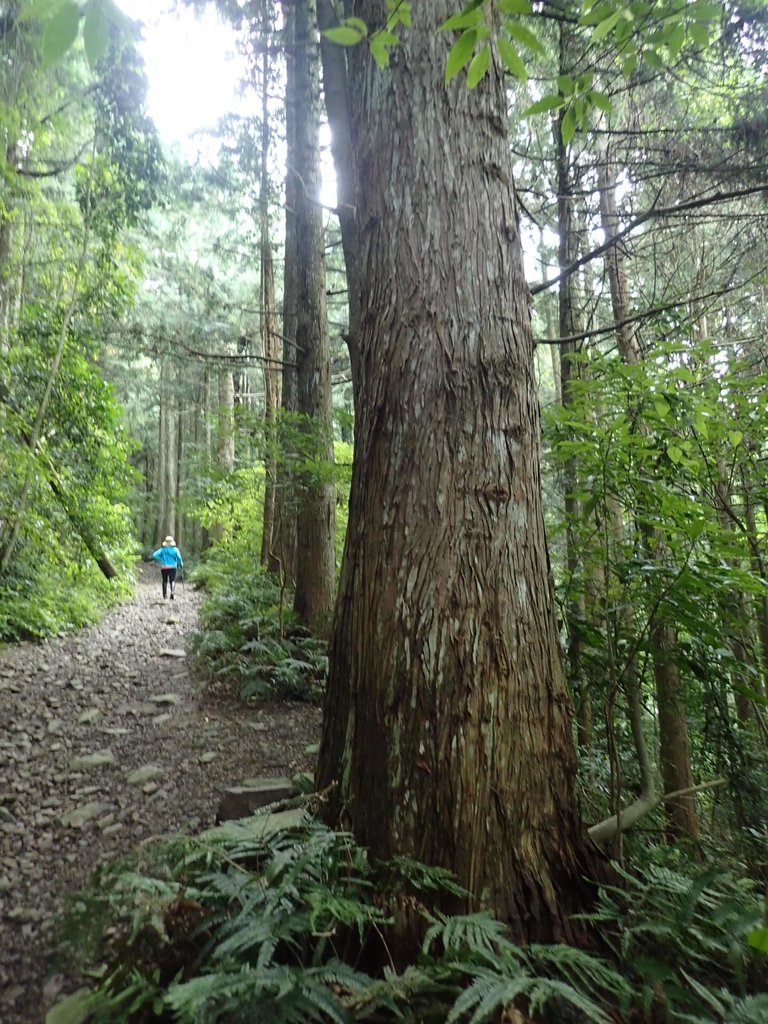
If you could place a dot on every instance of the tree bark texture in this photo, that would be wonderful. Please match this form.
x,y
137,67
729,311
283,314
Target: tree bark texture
x,y
167,457
270,339
315,519
569,323
282,556
336,91
447,724
674,747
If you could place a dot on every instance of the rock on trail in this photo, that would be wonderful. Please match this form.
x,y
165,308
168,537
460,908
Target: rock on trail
x,y
108,738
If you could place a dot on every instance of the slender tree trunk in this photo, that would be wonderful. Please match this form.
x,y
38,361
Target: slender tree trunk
x,y
270,340
735,615
759,569
335,88
674,748
447,725
673,728
179,460
225,433
209,416
569,324
282,556
166,456
6,267
315,524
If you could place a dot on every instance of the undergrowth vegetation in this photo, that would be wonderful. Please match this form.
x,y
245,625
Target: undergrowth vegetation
x,y
278,918
249,636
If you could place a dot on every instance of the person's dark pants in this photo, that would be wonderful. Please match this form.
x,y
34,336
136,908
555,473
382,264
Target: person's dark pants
x,y
169,577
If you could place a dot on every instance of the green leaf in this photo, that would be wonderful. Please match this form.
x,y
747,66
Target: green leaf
x,y
568,128
675,454
653,60
60,32
758,939
359,24
601,101
676,40
602,30
629,65
543,105
467,19
565,84
73,1009
515,6
661,408
460,53
479,67
512,59
38,10
95,33
596,14
699,33
343,35
735,437
523,35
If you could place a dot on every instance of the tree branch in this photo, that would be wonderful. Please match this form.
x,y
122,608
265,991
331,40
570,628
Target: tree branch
x,y
654,213
604,831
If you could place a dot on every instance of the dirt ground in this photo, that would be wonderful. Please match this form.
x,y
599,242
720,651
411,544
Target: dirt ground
x,y
108,738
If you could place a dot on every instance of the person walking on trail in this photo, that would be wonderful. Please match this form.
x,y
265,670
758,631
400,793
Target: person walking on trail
x,y
169,557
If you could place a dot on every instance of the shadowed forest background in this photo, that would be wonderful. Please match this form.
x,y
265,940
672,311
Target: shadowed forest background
x,y
538,304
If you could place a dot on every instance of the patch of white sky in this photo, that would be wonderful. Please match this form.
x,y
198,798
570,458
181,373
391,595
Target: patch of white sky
x,y
195,73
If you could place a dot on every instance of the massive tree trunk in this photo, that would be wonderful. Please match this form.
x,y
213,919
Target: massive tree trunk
x,y
447,725
315,519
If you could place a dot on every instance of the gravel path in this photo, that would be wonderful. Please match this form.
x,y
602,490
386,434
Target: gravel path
x,y
106,738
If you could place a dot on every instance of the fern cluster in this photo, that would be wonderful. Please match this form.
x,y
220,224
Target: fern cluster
x,y
278,918
696,942
250,639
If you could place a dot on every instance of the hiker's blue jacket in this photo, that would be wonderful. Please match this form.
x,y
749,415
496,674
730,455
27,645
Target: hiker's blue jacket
x,y
168,557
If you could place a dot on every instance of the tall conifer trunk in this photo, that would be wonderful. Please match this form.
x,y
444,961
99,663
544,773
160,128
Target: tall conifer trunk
x,y
569,325
315,519
447,726
270,341
282,555
674,746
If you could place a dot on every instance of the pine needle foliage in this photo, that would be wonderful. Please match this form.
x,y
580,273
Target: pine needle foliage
x,y
265,922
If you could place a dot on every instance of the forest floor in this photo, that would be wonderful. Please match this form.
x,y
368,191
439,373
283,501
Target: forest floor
x,y
108,738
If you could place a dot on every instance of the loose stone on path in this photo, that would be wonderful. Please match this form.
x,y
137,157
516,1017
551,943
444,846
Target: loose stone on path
x,y
68,805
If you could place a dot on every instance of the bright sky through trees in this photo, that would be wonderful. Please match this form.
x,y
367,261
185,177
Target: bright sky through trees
x,y
192,65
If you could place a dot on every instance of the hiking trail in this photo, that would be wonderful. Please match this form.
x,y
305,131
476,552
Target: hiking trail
x,y
107,738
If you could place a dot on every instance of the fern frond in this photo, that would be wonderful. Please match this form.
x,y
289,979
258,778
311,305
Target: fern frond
x,y
486,996
477,935
581,970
